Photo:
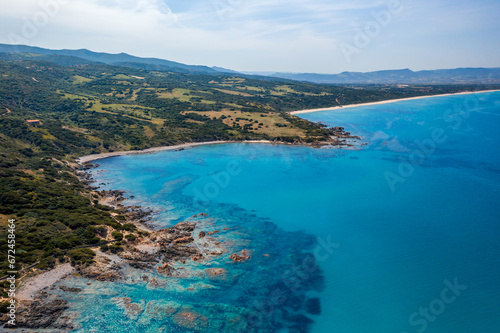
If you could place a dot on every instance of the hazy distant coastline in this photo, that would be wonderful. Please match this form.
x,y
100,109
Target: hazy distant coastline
x,y
385,102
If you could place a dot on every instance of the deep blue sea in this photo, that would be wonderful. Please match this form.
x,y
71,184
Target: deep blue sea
x,y
401,233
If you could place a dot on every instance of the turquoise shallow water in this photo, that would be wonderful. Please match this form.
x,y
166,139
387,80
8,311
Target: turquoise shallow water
x,y
403,233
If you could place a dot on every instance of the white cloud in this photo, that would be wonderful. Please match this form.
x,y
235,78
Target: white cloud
x,y
292,35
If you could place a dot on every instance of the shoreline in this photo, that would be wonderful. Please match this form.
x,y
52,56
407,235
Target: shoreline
x,y
94,157
386,102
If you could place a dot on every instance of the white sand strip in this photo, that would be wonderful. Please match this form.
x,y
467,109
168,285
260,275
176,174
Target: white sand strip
x,y
34,284
89,158
386,102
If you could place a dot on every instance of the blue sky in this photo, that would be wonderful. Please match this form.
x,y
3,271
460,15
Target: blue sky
x,y
319,36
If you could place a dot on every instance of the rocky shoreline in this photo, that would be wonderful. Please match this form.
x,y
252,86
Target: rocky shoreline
x,y
156,252
208,255
163,252
196,249
37,306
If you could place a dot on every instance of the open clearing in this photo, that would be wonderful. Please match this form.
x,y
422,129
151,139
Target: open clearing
x,y
266,123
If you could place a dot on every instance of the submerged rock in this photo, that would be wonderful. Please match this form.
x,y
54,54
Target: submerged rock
x,y
132,310
216,273
300,323
154,283
235,323
190,319
161,309
313,306
70,289
200,286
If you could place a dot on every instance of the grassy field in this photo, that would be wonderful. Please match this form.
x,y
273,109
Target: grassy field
x,y
265,123
77,79
133,111
121,77
232,92
184,95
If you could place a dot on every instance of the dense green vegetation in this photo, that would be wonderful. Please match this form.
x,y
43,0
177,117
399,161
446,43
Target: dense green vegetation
x,y
86,107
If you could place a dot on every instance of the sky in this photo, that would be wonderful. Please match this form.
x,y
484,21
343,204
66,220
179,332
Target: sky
x,y
301,36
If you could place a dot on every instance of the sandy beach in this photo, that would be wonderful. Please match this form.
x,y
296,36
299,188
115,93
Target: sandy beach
x,y
94,157
385,102
36,283
90,158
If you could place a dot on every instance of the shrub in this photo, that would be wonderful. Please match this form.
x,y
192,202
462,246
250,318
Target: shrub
x,y
117,235
129,227
3,307
81,255
113,224
131,237
115,248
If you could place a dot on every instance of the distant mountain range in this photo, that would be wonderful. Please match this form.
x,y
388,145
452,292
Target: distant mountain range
x,y
403,76
121,59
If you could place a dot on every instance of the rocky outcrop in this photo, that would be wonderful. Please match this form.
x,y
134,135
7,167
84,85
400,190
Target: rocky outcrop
x,y
180,233
165,270
197,257
101,272
174,242
241,256
341,133
171,247
179,252
183,227
141,265
140,260
183,240
45,312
